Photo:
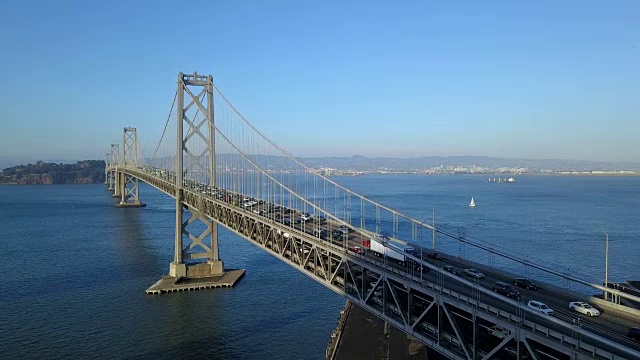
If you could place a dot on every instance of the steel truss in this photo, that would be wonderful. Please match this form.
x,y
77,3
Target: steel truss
x,y
454,324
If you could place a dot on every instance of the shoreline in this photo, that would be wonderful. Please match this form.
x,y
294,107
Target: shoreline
x,y
495,175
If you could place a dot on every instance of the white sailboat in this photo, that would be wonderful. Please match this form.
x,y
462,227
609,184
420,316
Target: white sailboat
x,y
472,203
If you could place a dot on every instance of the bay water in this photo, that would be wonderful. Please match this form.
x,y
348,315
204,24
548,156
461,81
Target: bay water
x,y
75,268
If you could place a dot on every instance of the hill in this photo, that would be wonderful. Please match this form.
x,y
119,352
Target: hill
x,y
82,172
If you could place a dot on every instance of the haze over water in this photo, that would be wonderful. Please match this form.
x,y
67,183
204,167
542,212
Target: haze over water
x,y
76,268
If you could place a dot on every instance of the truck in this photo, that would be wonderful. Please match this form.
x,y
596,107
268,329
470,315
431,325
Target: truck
x,y
383,246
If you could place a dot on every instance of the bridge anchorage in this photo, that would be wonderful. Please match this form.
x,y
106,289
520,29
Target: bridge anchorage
x,y
226,172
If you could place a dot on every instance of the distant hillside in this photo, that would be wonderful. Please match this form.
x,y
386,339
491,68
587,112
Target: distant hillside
x,y
358,162
82,172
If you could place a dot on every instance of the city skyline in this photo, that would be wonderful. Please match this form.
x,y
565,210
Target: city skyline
x,y
535,81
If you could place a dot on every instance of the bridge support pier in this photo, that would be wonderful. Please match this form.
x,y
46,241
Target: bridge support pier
x,y
187,271
189,254
110,181
117,190
129,192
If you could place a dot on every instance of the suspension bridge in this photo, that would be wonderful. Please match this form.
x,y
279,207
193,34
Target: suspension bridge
x,y
222,171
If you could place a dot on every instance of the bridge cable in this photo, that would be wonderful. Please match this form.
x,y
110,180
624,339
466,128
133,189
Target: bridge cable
x,y
165,125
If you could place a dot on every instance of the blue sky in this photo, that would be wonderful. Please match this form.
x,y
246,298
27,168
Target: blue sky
x,y
539,79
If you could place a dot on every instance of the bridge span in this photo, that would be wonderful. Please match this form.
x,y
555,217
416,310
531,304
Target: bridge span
x,y
222,171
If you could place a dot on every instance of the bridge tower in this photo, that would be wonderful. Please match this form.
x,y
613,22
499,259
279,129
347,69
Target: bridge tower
x,y
114,179
195,160
128,184
106,168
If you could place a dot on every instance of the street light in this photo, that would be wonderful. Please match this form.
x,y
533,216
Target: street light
x,y
433,224
433,241
606,264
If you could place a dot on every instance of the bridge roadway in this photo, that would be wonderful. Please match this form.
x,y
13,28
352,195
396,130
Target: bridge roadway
x,y
608,325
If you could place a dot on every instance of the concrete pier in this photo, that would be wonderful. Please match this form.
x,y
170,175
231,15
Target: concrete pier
x,y
130,205
171,284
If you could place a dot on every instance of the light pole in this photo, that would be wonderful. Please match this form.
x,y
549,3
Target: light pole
x,y
433,223
606,264
433,241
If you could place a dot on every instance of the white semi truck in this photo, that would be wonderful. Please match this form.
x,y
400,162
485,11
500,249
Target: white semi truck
x,y
383,246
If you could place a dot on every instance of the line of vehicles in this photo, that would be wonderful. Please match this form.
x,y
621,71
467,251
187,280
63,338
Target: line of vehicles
x,y
383,246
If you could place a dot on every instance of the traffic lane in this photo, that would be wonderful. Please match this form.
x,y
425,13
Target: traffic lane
x,y
600,328
542,319
612,330
497,302
559,302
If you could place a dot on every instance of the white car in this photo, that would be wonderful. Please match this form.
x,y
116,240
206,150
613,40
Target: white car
x,y
305,217
540,307
473,273
584,308
249,204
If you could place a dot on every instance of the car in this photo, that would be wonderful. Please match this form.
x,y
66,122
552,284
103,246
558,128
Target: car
x,y
525,283
249,204
634,333
344,228
305,216
451,269
584,308
357,249
434,255
506,290
338,235
473,273
540,307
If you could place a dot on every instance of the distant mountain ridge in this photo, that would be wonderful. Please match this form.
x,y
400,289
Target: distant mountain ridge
x,y
361,163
